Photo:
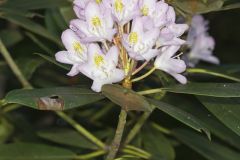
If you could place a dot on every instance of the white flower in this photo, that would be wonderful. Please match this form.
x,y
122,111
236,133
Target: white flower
x,y
98,25
172,66
170,34
201,44
102,68
139,43
202,50
76,53
155,13
80,5
123,10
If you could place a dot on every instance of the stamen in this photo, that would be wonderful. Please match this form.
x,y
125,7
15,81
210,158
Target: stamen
x,y
178,56
96,21
145,10
78,47
118,5
133,38
98,1
98,60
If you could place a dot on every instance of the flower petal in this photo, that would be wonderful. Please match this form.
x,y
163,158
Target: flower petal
x,y
97,85
150,54
80,27
74,70
112,55
62,57
180,78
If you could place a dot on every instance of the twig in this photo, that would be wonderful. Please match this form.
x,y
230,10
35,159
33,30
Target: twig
x,y
118,136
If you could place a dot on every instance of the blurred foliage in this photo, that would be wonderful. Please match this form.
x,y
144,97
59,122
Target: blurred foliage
x,y
31,31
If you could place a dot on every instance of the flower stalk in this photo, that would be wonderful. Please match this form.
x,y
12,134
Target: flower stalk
x,y
145,75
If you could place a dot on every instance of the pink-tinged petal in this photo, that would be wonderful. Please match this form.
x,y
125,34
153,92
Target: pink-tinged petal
x,y
63,57
97,85
162,7
180,78
168,52
210,59
136,56
80,3
148,23
112,55
150,54
137,26
91,39
86,70
92,10
171,15
77,11
174,41
139,58
78,25
117,76
176,65
94,50
147,4
68,38
74,71
110,34
108,18
150,37
178,29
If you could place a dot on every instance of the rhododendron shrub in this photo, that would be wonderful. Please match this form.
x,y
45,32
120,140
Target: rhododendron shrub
x,y
119,79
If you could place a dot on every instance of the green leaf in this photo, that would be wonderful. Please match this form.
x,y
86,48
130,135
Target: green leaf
x,y
34,4
37,41
126,98
180,115
67,137
216,72
6,129
61,98
197,6
208,149
67,13
227,110
30,151
208,119
207,89
158,145
10,37
29,25
53,61
29,65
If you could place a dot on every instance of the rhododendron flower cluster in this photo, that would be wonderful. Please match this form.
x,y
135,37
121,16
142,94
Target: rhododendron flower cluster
x,y
200,42
110,39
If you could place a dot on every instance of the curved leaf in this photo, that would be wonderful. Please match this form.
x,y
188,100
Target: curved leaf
x,y
126,98
61,98
30,151
180,115
207,89
208,149
66,137
227,110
